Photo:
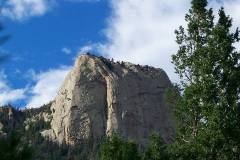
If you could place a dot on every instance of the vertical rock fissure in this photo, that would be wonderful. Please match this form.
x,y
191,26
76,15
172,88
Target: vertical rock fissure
x,y
105,107
123,99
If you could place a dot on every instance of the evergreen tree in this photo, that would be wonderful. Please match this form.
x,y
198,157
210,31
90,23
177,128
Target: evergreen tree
x,y
189,60
115,148
11,148
157,149
225,73
208,65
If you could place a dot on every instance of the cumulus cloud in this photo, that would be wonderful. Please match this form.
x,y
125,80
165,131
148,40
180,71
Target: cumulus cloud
x,y
44,89
46,86
7,94
24,9
142,31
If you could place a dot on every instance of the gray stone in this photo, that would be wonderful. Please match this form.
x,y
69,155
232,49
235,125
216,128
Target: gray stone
x,y
100,97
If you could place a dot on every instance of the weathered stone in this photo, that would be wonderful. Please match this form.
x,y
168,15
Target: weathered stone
x,y
1,126
100,97
48,134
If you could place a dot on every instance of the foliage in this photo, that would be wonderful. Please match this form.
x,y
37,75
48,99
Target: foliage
x,y
208,65
115,148
157,149
10,118
106,62
12,148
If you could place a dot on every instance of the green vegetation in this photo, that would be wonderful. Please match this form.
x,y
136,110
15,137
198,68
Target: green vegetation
x,y
106,62
12,148
157,149
115,148
27,125
208,65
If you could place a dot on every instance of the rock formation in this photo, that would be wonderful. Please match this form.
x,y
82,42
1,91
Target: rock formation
x,y
100,97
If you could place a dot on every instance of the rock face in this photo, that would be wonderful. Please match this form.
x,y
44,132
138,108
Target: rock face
x,y
100,97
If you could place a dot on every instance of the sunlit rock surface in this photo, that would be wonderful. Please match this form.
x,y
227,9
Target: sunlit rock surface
x,y
100,97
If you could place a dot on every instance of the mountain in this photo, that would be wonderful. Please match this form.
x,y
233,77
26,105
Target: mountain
x,y
100,97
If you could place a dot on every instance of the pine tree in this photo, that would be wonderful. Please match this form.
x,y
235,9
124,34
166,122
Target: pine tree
x,y
225,74
157,149
208,65
116,148
12,148
191,56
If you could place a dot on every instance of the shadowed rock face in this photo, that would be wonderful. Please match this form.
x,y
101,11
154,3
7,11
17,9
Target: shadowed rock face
x,y
100,97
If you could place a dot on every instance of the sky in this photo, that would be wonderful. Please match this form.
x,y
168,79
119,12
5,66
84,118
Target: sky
x,y
46,36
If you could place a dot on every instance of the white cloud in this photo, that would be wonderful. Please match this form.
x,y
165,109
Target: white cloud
x,y
7,94
83,0
46,87
10,96
142,31
24,9
86,48
66,50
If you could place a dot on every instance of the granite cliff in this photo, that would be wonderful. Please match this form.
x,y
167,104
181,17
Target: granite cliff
x,y
100,97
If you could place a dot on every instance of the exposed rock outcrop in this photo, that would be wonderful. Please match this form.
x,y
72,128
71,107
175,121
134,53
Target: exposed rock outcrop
x,y
100,97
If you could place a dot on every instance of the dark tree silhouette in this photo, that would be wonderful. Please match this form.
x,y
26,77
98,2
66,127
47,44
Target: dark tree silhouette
x,y
12,148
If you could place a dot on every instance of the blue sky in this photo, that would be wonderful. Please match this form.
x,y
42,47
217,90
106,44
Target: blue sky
x,y
47,35
42,42
39,42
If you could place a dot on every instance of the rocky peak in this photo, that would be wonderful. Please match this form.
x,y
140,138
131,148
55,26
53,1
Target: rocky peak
x,y
100,97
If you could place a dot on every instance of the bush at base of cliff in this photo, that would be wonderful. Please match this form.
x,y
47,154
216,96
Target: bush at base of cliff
x,y
12,148
115,148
